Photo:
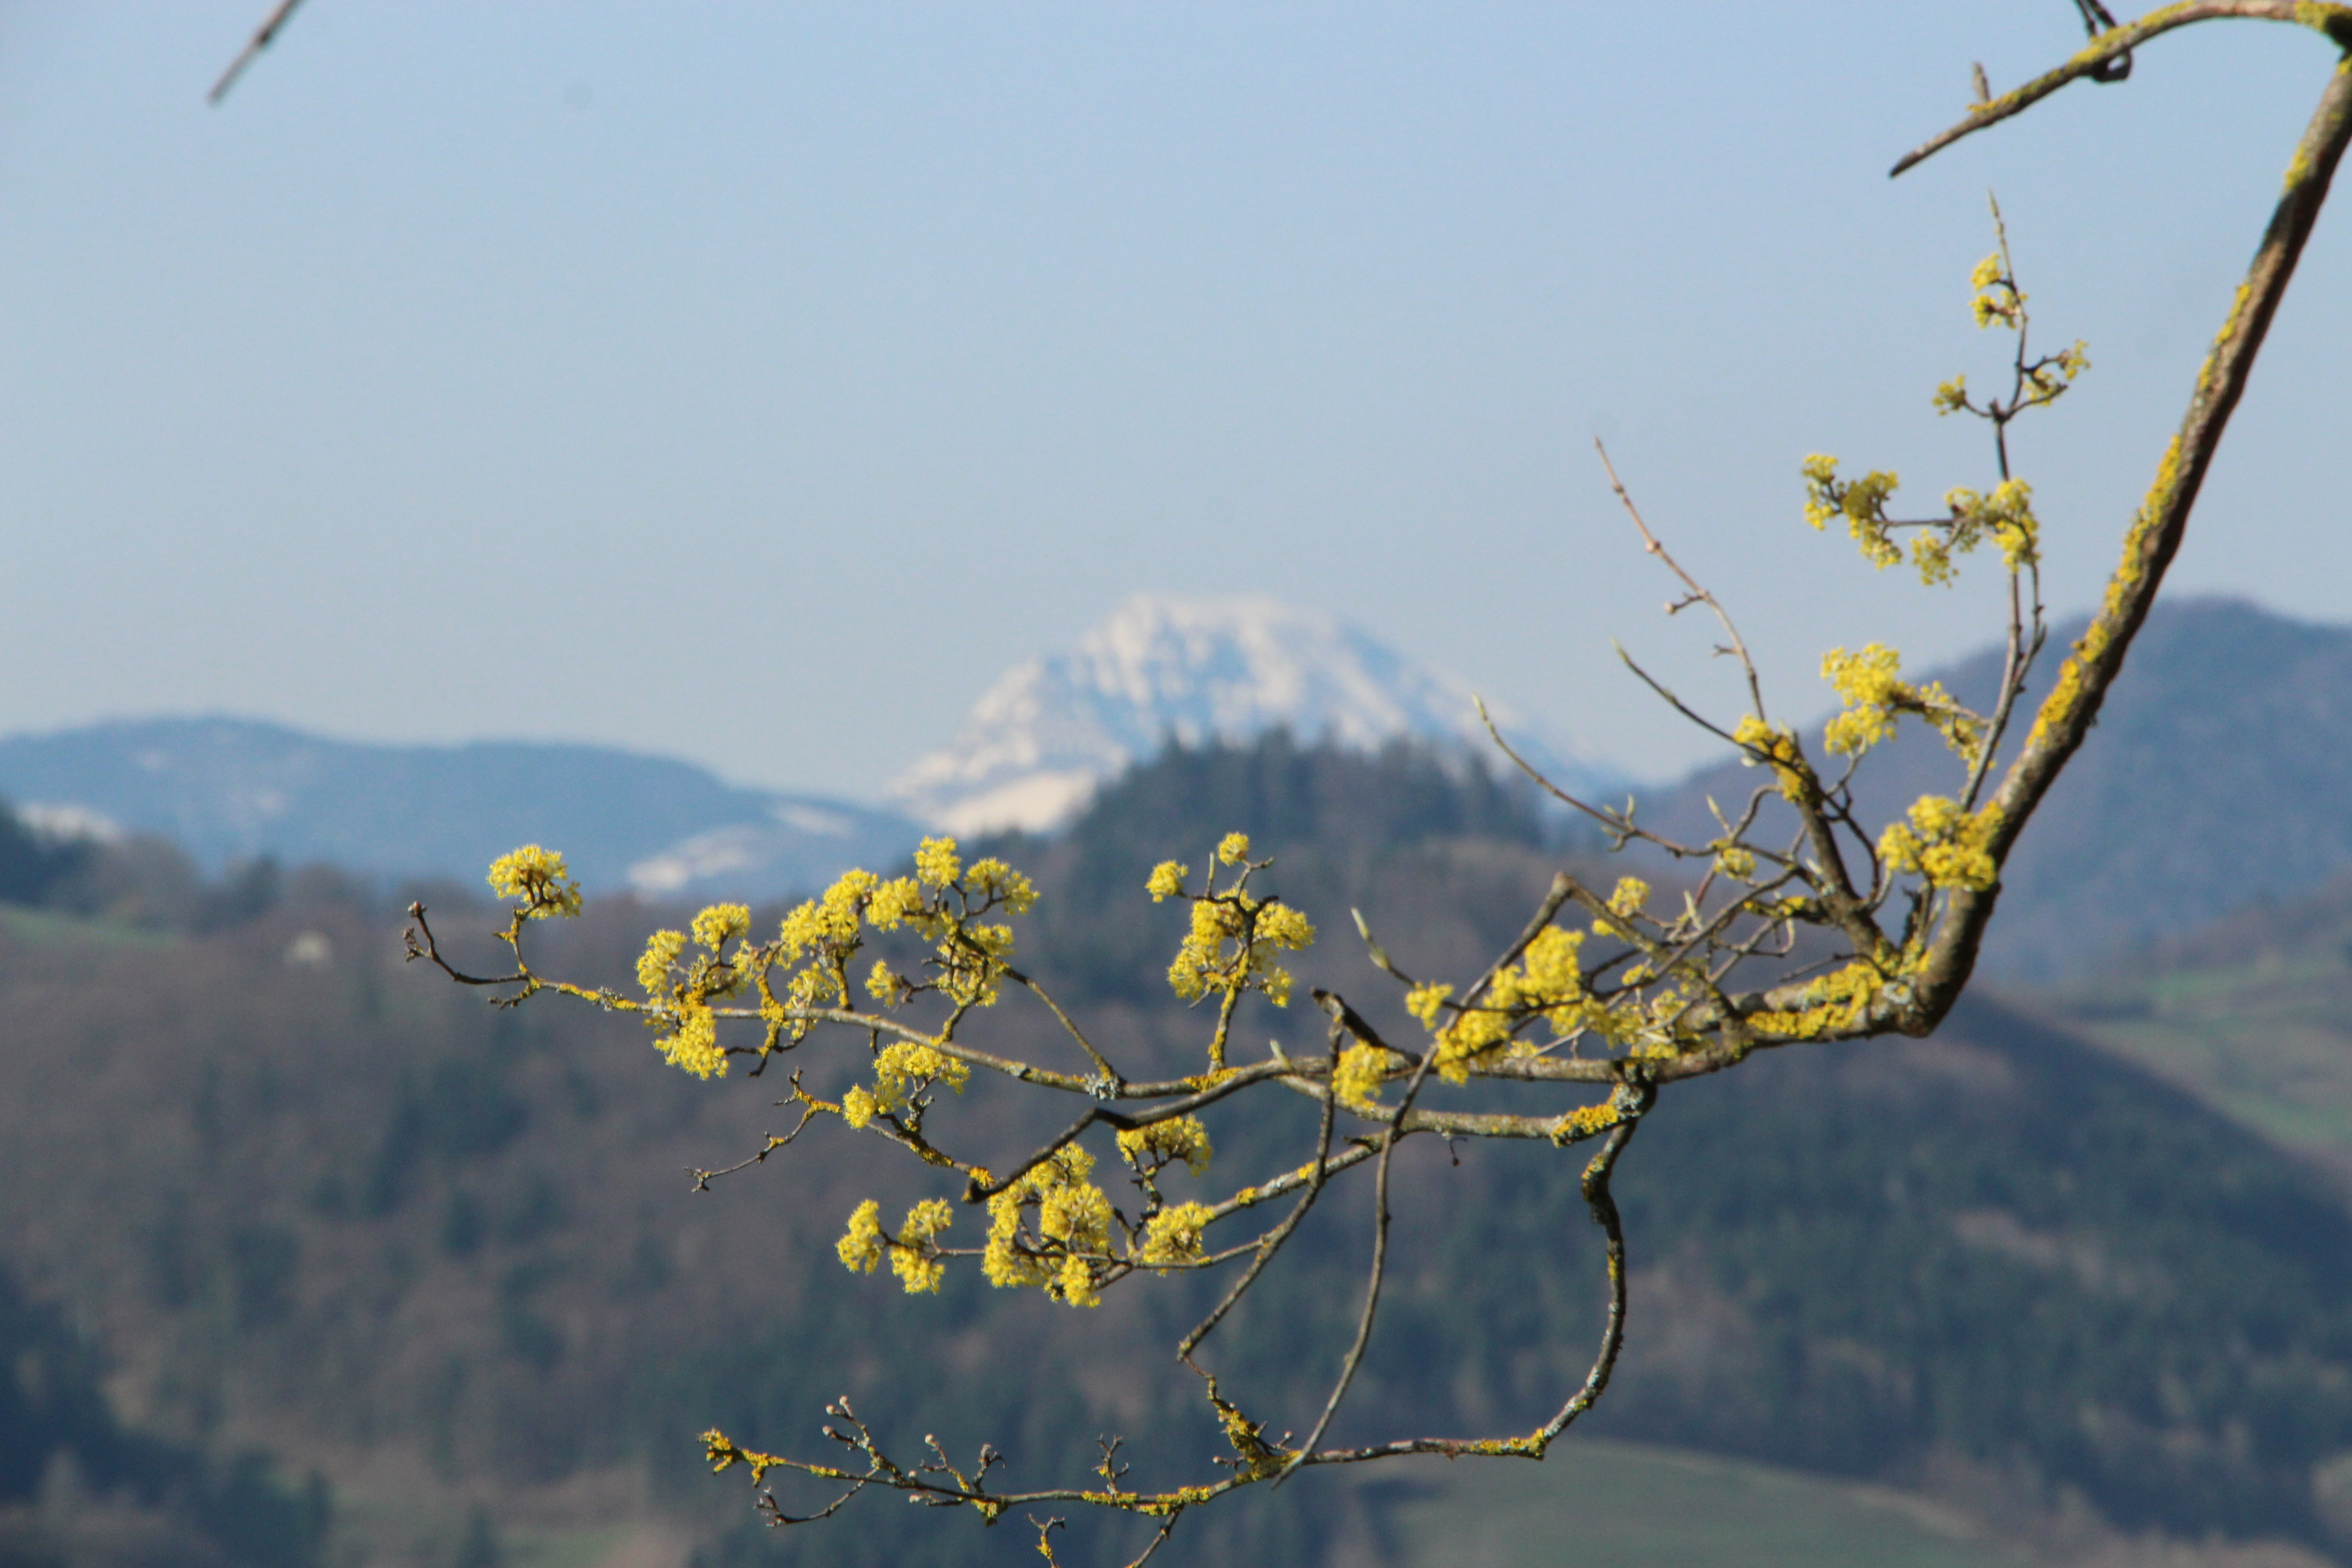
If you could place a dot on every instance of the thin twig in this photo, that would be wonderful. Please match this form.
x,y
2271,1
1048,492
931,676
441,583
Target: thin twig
x,y
1697,594
263,37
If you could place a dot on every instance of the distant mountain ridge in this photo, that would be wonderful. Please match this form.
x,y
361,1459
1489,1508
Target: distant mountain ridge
x,y
2217,775
229,790
1191,670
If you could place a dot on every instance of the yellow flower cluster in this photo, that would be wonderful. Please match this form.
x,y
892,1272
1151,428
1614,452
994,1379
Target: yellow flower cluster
x,y
994,881
1772,744
1862,502
914,1253
2045,380
820,937
1073,1229
1234,849
1870,683
1173,1235
693,1046
538,878
1949,847
1546,984
1997,296
1356,1080
915,1258
1230,946
860,1248
715,925
902,1071
2007,515
1734,861
681,996
943,901
1167,882
1164,1142
936,862
663,950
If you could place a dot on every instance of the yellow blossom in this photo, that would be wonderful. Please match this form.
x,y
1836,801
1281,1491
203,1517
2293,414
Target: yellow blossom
x,y
861,1246
903,1070
536,877
714,925
1075,1283
1234,849
662,951
1996,297
1173,1235
693,1045
1868,681
995,880
912,1256
936,862
1177,1138
1073,1224
885,985
1548,983
1771,744
1230,945
894,903
1862,502
1362,1070
1166,881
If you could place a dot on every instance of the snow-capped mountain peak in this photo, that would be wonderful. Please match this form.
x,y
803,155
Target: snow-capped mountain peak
x,y
1164,668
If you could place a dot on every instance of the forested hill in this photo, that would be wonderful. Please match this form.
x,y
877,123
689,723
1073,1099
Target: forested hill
x,y
305,1197
2216,777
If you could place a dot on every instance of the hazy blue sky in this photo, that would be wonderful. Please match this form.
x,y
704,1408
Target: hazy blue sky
x,y
756,382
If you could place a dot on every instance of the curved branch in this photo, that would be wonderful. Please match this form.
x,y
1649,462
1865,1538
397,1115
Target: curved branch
x,y
2335,21
2071,708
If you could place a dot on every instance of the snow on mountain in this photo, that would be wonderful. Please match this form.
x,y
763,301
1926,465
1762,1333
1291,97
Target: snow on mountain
x,y
1191,670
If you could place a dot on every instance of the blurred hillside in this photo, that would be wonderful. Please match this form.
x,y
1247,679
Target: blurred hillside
x,y
2253,1013
305,1199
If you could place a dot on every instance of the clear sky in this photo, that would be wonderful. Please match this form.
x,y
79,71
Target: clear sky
x,y
755,383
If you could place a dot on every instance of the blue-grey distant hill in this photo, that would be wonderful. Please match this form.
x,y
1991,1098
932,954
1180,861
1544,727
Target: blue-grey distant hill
x,y
2219,776
232,790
